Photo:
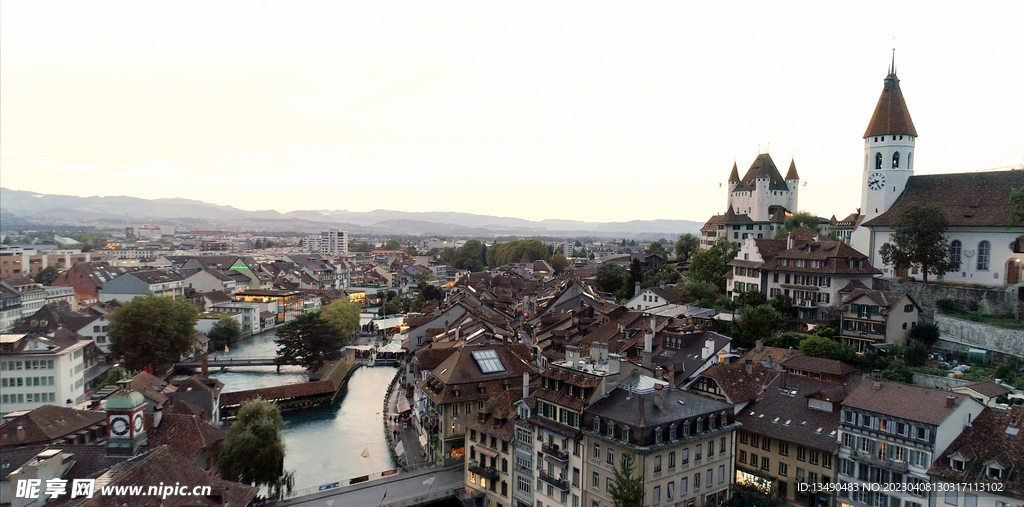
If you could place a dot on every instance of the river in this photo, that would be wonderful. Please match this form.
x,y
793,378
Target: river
x,y
323,445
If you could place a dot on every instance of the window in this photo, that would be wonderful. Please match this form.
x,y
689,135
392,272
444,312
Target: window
x,y
826,460
742,457
951,497
743,437
764,463
657,495
814,457
721,445
597,451
957,464
670,491
984,252
611,458
672,460
995,473
783,469
896,160
801,453
575,477
755,440
784,448
684,457
767,444
878,160
597,480
657,464
608,485
696,481
697,453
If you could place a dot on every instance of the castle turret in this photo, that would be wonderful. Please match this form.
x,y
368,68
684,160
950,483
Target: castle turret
x,y
734,178
793,182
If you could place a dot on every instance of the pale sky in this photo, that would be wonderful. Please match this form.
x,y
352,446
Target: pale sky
x,y
575,110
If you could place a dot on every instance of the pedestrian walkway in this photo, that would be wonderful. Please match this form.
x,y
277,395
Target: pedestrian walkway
x,y
403,435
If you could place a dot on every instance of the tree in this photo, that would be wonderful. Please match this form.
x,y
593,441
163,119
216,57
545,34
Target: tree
x,y
253,450
699,293
802,218
927,334
343,316
915,353
656,248
1016,208
225,331
627,490
750,495
636,275
472,256
559,262
151,331
392,244
685,246
610,277
310,340
817,346
757,322
46,276
411,251
919,238
709,266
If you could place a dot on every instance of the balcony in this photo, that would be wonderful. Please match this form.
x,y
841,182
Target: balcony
x,y
487,472
560,484
873,335
900,466
805,303
553,452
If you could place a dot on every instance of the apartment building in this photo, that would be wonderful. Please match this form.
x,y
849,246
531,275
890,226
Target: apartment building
x,y
892,433
127,286
681,444
876,317
37,370
28,262
489,434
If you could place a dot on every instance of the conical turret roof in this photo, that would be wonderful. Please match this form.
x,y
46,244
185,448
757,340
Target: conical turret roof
x,y
791,174
735,174
891,116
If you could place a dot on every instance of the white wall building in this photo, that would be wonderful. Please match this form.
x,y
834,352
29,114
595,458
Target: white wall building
x,y
37,370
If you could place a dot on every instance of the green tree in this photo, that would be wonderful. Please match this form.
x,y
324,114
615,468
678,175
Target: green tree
x,y
801,218
1015,210
927,334
343,316
412,251
501,254
656,248
392,244
627,489
611,277
817,346
472,256
46,276
699,293
310,340
919,238
711,265
225,331
253,450
756,323
152,331
781,303
360,246
685,246
559,262
636,275
915,353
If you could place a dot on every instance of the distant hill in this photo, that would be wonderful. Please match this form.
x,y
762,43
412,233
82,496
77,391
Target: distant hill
x,y
18,207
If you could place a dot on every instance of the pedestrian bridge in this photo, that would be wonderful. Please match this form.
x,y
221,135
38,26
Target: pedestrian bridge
x,y
224,362
416,488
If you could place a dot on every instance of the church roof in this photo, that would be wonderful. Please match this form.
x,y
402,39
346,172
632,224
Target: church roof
x,y
891,115
966,199
735,174
762,168
791,174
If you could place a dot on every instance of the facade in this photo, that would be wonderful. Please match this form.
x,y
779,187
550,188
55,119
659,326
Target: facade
x,y
33,294
811,275
28,262
37,370
87,279
874,317
681,443
489,434
654,297
250,314
892,433
10,307
137,283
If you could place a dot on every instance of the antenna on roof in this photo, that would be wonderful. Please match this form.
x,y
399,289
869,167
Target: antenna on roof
x,y
892,63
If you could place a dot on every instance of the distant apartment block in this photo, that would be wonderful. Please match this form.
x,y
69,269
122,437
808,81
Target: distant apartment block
x,y
332,242
18,261
37,370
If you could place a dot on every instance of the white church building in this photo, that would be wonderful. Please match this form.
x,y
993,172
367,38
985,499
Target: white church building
x,y
988,249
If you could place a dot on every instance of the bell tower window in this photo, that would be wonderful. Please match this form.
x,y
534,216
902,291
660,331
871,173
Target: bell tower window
x,y
878,160
896,160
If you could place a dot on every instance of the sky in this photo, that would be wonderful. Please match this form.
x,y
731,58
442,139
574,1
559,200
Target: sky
x,y
591,111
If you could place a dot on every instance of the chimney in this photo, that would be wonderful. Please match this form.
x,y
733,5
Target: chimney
x,y
636,288
672,376
877,379
526,384
659,397
759,345
648,352
659,373
785,377
789,241
572,356
158,415
748,366
206,365
950,401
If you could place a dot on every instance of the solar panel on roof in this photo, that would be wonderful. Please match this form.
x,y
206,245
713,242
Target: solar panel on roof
x,y
488,361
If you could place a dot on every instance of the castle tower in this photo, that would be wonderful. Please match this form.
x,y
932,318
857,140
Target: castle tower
x,y
734,178
125,420
793,182
888,149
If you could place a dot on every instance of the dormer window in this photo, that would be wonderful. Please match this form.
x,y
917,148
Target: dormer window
x,y
672,431
597,424
994,473
657,435
611,428
625,433
957,464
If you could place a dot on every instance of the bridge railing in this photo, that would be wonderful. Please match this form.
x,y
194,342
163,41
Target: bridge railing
x,y
428,498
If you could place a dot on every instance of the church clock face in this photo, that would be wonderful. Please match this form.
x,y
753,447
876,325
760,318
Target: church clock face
x,y
119,425
876,181
138,423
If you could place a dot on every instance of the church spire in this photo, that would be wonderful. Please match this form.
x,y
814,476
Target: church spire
x,y
735,174
891,115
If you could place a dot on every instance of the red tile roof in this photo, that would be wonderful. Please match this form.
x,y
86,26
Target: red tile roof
x,y
891,115
904,401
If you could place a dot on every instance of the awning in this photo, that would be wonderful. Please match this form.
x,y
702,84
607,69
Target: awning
x,y
400,448
485,451
423,441
403,405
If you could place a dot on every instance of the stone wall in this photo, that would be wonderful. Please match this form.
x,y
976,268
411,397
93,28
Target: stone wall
x,y
959,334
993,301
936,382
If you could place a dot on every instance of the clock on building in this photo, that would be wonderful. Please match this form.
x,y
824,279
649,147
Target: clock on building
x,y
876,181
138,423
119,425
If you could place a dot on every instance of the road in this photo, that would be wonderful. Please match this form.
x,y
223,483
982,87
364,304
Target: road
x,y
400,488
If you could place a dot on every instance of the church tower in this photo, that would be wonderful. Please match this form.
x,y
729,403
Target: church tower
x,y
125,421
888,149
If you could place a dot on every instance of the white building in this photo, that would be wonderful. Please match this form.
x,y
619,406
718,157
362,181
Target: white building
x,y
37,370
332,242
982,240
136,283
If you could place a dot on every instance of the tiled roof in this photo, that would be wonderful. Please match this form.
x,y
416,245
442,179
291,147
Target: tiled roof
x,y
640,410
979,199
669,295
12,459
429,358
151,387
989,441
886,299
988,389
819,365
188,435
162,466
834,257
738,385
762,168
277,392
904,401
154,276
791,174
891,115
46,424
735,174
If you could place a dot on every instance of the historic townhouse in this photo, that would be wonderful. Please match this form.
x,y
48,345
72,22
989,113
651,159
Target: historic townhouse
x,y
892,433
38,369
681,443
489,434
875,317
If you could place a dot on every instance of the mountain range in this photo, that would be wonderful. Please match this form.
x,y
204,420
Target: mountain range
x,y
24,209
